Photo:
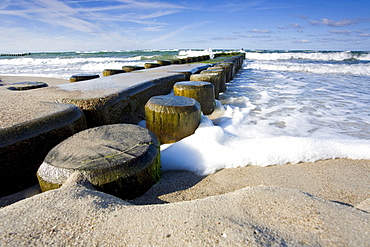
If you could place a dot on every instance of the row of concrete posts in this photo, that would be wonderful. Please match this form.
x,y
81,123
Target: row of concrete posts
x,y
75,127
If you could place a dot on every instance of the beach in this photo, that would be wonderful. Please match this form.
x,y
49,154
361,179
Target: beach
x,y
221,198
6,80
293,205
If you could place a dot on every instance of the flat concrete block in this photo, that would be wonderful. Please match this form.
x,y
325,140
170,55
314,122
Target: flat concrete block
x,y
151,65
27,85
121,159
28,132
201,91
82,77
132,68
189,59
108,72
164,62
175,61
185,69
120,98
172,117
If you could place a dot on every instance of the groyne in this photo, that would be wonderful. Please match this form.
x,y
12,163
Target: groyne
x,y
34,121
14,54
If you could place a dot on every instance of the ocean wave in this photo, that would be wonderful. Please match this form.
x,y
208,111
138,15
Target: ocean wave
x,y
194,53
317,56
321,68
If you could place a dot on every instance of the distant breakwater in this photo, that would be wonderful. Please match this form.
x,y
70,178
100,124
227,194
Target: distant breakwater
x,y
15,54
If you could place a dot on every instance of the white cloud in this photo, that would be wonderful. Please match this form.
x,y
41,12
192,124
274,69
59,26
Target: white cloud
x,y
340,31
302,41
343,23
259,31
331,23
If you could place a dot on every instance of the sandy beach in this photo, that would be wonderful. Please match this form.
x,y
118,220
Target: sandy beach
x,y
321,203
324,203
5,80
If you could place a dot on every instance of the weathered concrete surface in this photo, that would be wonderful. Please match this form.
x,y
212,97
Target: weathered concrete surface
x,y
185,69
28,130
213,78
32,122
201,91
171,117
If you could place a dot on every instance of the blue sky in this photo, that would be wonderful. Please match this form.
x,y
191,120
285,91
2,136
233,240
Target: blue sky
x,y
85,25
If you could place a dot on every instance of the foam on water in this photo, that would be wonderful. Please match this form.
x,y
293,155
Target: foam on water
x,y
327,68
65,64
64,67
278,117
307,55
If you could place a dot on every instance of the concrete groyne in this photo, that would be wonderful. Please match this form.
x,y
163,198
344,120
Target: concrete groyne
x,y
34,121
14,54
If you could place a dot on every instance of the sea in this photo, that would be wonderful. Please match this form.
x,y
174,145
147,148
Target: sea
x,y
282,107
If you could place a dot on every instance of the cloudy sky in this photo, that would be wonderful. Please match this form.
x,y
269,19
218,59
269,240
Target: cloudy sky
x,y
85,25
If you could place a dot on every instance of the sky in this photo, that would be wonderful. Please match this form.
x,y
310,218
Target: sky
x,y
93,25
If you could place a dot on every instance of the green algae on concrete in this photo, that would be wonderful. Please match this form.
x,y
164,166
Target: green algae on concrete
x,y
164,62
108,72
151,65
130,68
220,72
82,77
214,78
120,159
201,91
172,117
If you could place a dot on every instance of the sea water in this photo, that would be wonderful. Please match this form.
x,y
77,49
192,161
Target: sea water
x,y
65,64
281,107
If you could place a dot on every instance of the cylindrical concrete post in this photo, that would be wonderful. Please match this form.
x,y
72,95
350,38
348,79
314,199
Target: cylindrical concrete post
x,y
82,77
172,117
120,159
108,72
151,65
219,71
164,62
132,68
201,91
175,61
212,78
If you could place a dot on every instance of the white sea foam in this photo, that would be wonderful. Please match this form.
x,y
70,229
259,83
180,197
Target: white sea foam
x,y
316,56
64,67
195,53
274,118
327,68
